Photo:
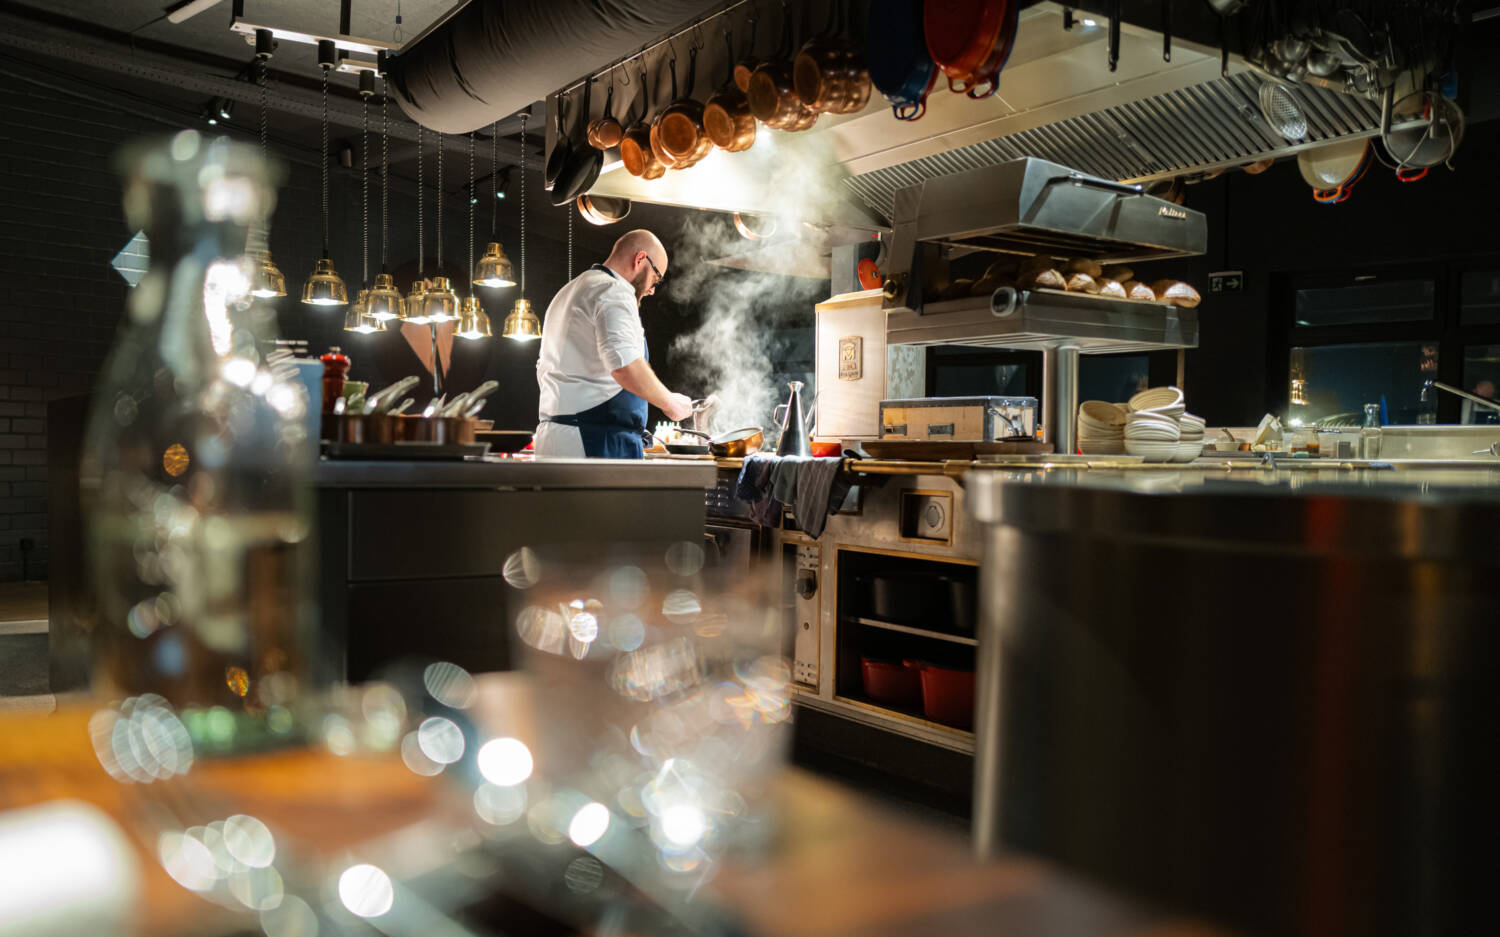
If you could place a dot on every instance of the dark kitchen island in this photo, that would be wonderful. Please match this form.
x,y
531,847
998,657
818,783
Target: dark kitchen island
x,y
412,554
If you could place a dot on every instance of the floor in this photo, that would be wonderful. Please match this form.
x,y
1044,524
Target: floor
x,y
23,647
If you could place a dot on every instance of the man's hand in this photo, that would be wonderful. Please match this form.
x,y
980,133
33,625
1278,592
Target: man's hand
x,y
677,407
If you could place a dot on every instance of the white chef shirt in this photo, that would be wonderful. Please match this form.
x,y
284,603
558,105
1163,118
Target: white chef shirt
x,y
592,328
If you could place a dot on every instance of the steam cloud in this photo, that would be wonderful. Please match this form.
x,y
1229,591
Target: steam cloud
x,y
798,179
732,353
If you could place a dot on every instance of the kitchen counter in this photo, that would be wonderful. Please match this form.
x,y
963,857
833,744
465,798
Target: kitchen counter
x,y
428,542
515,473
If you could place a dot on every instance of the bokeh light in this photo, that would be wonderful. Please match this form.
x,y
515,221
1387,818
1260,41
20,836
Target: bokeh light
x,y
449,684
505,761
366,890
441,740
588,824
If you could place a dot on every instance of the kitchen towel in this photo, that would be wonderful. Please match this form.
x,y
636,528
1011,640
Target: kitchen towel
x,y
815,484
753,485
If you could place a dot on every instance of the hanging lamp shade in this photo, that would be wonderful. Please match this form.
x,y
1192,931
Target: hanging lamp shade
x,y
325,287
441,303
522,325
357,317
266,280
494,267
415,300
385,300
474,323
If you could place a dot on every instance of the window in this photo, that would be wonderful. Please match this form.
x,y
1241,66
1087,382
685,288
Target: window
x,y
1482,377
1336,381
1366,302
1479,297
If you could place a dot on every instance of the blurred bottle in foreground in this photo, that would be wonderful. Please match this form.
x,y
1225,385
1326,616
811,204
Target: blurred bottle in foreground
x,y
196,473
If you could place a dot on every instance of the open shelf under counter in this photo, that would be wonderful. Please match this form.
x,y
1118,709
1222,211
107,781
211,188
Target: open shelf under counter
x,y
919,632
890,720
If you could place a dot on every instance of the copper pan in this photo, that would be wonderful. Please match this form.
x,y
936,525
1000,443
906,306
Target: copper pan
x,y
829,72
727,120
680,126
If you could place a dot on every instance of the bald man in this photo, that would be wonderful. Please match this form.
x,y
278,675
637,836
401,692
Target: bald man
x,y
594,369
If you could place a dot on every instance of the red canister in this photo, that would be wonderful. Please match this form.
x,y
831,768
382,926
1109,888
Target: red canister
x,y
335,373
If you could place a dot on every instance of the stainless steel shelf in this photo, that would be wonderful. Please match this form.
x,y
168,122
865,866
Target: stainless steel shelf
x,y
919,632
1042,319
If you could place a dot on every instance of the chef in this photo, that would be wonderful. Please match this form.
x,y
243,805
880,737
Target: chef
x,y
593,368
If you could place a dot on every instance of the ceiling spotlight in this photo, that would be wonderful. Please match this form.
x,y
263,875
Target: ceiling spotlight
x,y
1090,22
221,108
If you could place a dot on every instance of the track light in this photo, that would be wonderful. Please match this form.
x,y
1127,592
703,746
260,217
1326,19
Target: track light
x,y
218,110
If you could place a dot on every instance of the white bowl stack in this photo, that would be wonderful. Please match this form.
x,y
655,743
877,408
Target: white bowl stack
x,y
1159,428
1101,428
1190,438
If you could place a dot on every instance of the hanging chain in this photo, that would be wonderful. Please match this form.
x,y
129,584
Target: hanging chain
x,y
523,205
364,185
264,150
440,207
385,170
472,200
494,174
325,160
570,242
420,177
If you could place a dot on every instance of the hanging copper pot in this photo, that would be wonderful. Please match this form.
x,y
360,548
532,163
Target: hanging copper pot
x,y
772,92
829,73
680,126
605,132
635,146
727,120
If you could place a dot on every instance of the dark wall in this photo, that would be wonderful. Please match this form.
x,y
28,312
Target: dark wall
x,y
62,224
1269,226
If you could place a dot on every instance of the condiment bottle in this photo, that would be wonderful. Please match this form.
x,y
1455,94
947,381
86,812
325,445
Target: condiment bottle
x,y
335,372
1369,434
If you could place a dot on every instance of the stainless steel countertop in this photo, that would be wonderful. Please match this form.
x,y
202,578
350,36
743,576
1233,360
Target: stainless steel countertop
x,y
515,473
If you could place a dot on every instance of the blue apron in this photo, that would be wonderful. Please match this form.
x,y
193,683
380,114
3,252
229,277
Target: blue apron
x,y
615,429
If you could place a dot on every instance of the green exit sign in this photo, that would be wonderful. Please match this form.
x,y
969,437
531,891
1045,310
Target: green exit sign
x,y
1226,281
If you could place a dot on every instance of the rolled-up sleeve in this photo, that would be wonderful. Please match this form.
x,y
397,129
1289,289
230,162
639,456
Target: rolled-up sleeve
x,y
621,338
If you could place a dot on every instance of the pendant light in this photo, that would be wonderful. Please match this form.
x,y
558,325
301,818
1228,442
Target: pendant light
x,y
494,267
416,299
441,303
522,325
266,280
471,311
385,301
357,317
325,287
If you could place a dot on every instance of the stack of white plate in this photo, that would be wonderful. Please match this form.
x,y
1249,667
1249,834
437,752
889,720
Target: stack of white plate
x,y
1101,428
1152,435
1189,439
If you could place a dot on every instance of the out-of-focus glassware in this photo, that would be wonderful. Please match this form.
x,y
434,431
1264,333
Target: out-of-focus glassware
x,y
1369,434
1427,403
197,471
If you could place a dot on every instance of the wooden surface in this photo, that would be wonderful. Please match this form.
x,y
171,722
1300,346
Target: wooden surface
x,y
837,864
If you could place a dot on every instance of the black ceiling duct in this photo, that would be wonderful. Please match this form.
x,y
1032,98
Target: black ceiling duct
x,y
494,57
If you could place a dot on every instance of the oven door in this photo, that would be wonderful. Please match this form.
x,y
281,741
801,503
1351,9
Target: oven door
x,y
731,546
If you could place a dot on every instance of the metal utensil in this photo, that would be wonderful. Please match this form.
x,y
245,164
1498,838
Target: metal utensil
x,y
400,408
455,406
390,393
433,406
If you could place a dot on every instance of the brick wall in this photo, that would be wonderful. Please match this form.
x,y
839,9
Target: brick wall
x,y
62,224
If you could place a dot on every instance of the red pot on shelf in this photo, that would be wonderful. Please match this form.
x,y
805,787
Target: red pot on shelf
x,y
892,683
948,696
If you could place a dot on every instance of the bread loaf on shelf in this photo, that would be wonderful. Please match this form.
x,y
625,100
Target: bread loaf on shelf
x,y
1119,272
1112,288
1176,292
1045,278
1082,283
1135,289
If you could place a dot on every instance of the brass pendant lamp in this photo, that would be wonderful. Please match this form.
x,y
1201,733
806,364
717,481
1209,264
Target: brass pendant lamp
x,y
522,325
440,304
266,280
357,318
325,287
473,322
494,267
386,304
